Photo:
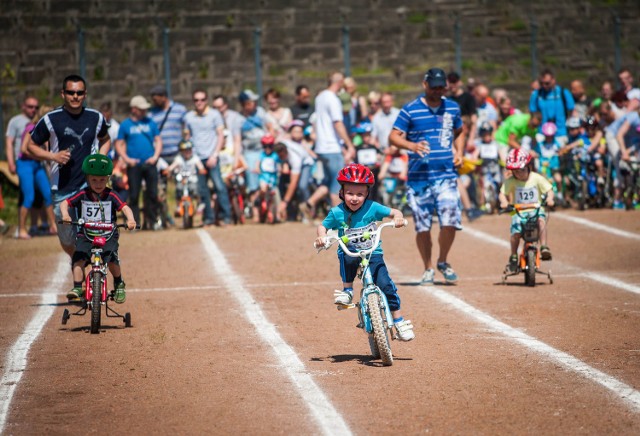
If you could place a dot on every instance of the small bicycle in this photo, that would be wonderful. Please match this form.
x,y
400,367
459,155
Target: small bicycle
x,y
96,281
186,183
529,259
374,315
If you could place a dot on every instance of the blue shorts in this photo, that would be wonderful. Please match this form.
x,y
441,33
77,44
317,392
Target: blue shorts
x,y
440,197
66,233
379,272
332,163
516,221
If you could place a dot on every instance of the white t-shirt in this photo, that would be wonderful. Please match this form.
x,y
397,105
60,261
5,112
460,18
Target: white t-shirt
x,y
328,111
15,129
382,126
297,156
113,130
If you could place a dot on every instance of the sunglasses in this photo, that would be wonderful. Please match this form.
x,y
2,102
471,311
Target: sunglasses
x,y
72,92
199,99
32,107
545,83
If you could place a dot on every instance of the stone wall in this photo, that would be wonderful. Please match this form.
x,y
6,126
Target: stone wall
x,y
212,45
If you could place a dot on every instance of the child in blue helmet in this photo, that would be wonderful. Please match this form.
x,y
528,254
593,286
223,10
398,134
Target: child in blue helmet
x,y
354,215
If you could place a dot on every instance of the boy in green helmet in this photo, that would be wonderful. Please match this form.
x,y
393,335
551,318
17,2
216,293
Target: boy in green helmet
x,y
97,203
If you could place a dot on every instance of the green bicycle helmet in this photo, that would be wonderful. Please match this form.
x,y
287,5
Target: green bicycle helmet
x,y
97,165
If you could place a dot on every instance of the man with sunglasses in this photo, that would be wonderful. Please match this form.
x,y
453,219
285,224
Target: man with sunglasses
x,y
554,102
73,133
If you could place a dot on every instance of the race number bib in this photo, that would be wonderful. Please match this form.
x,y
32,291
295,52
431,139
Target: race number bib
x,y
368,157
526,195
358,241
268,165
96,211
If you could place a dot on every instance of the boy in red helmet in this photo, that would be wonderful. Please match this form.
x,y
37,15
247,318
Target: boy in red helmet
x,y
357,214
525,188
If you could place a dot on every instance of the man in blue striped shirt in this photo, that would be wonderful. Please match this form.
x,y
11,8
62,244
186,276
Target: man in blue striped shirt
x,y
429,127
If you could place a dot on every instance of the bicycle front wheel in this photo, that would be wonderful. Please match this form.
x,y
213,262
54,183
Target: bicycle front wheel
x,y
380,336
96,297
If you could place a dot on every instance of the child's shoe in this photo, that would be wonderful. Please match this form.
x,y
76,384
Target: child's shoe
x,y
449,274
120,294
74,294
512,266
343,298
405,330
545,253
427,277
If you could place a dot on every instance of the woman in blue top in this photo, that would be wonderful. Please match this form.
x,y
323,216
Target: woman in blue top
x,y
356,215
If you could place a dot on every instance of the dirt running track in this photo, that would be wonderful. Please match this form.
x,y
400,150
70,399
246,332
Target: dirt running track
x,y
487,358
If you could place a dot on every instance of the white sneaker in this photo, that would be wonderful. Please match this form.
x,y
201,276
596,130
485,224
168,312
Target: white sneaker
x,y
428,276
342,297
405,330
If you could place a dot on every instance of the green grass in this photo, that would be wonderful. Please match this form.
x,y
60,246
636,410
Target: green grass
x,y
10,195
417,18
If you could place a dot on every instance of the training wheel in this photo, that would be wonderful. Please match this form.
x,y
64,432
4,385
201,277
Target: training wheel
x,y
65,316
127,319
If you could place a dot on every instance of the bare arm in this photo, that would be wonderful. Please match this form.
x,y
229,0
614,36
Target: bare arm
x,y
398,139
11,160
104,144
624,128
342,132
39,153
128,213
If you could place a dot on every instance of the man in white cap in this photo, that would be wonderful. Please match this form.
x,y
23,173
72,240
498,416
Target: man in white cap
x,y
139,146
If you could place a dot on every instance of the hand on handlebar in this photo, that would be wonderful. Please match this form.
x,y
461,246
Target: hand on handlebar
x,y
131,224
400,222
320,242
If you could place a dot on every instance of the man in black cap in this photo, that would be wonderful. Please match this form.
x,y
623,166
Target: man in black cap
x,y
429,127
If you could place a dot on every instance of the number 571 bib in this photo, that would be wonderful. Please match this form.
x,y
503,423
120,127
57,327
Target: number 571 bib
x,y
91,211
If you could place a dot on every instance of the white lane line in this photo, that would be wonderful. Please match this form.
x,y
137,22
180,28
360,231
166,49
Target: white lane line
x,y
327,417
598,226
16,360
600,278
625,392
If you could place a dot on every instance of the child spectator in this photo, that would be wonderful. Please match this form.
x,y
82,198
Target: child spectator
x,y
487,150
355,215
393,173
598,146
525,188
97,203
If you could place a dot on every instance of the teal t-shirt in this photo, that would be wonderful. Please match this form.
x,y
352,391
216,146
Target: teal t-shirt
x,y
342,219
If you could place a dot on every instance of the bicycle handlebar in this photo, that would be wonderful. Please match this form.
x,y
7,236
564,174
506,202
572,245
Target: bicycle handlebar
x,y
344,240
96,225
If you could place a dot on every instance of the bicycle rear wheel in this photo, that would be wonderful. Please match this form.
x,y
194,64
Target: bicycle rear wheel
x,y
96,297
530,273
380,336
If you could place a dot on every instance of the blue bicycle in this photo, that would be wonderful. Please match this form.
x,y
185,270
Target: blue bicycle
x,y
374,315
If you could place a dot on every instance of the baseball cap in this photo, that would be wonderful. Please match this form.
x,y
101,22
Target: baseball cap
x,y
140,102
158,90
435,77
247,95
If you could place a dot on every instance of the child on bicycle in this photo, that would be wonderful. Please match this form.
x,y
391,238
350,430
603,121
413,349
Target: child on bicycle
x,y
525,188
355,215
548,158
186,163
267,168
97,203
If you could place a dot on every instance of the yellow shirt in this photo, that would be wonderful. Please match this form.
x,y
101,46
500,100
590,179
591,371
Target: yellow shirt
x,y
526,192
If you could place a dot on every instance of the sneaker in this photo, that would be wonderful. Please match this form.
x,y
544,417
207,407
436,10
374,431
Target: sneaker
x,y
545,253
449,274
120,295
618,205
405,330
343,297
474,214
512,265
306,211
428,276
75,294
200,209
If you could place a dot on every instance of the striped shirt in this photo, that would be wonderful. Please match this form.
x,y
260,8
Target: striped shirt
x,y
171,132
77,133
420,123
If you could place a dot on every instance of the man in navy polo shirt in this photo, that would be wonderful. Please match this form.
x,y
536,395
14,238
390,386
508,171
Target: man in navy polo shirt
x,y
73,133
429,127
139,146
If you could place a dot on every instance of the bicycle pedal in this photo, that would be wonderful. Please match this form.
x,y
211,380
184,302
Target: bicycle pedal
x,y
345,306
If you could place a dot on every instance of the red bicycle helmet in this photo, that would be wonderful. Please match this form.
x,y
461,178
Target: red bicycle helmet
x,y
268,139
357,174
518,159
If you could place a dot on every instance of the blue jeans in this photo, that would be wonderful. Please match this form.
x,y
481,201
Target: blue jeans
x,y
332,163
221,191
379,272
32,173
